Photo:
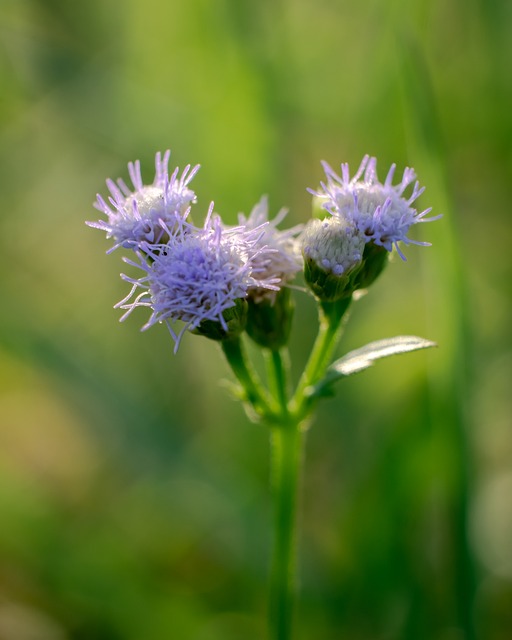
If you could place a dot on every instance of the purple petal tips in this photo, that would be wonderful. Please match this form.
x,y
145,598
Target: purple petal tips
x,y
136,215
379,211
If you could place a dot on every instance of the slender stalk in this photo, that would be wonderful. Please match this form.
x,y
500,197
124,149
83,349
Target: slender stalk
x,y
255,393
277,369
286,465
329,333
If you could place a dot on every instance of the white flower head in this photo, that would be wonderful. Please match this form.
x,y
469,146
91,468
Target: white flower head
x,y
333,245
282,259
136,215
379,211
196,275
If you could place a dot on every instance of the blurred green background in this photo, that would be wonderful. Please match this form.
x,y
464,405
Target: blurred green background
x,y
134,500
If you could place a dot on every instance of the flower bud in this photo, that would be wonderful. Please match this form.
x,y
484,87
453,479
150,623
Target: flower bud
x,y
333,251
269,321
375,258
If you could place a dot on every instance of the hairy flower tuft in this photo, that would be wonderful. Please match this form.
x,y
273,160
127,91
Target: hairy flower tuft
x,y
197,275
282,260
379,211
136,216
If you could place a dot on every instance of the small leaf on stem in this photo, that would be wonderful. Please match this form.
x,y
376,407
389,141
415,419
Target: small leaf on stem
x,y
364,357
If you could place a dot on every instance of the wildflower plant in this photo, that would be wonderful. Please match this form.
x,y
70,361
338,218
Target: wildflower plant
x,y
233,283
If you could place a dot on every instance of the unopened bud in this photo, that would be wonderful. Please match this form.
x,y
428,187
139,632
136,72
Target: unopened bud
x,y
269,321
333,252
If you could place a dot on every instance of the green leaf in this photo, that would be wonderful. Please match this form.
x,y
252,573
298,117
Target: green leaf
x,y
364,357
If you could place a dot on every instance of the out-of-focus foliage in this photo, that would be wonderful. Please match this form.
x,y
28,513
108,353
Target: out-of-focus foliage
x,y
134,498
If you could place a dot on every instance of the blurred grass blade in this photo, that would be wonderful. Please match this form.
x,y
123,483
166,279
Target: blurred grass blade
x,y
448,312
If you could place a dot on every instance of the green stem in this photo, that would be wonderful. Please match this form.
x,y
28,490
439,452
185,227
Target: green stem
x,y
286,458
285,468
254,392
329,333
278,368
286,422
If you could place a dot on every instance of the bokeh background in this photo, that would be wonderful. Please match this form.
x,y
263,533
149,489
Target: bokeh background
x,y
134,498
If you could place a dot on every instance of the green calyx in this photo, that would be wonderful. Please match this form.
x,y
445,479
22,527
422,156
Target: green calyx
x,y
329,287
269,321
375,258
235,318
324,284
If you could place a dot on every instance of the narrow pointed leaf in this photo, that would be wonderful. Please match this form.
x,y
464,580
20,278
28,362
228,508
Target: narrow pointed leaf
x,y
364,357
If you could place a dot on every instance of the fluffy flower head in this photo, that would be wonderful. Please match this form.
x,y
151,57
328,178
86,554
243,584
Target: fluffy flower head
x,y
282,258
197,275
136,215
379,211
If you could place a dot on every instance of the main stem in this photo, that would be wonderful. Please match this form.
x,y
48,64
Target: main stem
x,y
286,420
286,459
286,463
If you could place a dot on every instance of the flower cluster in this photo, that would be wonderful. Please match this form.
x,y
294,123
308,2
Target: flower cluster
x,y
367,219
218,280
378,211
199,276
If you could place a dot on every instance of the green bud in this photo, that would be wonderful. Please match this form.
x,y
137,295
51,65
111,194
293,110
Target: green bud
x,y
323,284
375,258
269,321
318,211
333,252
235,318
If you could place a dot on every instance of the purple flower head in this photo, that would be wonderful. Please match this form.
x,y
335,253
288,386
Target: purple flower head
x,y
283,260
196,275
379,211
136,216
